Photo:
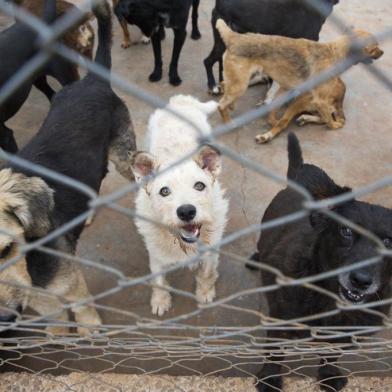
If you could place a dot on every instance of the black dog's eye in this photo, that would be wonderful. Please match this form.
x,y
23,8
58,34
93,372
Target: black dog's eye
x,y
346,232
165,191
199,186
6,251
387,242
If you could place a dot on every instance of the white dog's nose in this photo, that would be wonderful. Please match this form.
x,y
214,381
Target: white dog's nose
x,y
186,212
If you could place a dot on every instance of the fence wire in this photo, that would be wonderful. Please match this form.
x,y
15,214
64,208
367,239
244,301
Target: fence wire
x,y
191,342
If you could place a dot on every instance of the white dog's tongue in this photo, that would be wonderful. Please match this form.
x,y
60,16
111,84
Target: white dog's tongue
x,y
190,233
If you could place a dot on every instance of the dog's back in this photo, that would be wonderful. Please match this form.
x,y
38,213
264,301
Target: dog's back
x,y
289,18
169,137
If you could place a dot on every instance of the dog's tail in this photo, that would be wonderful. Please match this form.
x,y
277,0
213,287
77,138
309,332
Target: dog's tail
x,y
254,257
49,11
225,32
295,156
104,17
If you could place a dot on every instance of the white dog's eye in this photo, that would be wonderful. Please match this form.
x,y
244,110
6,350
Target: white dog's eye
x,y
199,186
165,191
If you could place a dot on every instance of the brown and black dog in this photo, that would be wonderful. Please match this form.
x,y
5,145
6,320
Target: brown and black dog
x,y
290,62
81,38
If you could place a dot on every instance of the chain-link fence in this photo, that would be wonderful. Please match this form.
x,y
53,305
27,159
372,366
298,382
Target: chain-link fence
x,y
234,335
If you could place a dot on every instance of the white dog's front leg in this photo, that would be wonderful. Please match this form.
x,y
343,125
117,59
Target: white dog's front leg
x,y
206,278
160,298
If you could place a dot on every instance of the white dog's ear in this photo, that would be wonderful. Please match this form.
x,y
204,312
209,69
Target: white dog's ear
x,y
143,164
209,158
208,107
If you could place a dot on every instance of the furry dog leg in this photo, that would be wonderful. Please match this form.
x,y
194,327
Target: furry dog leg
x,y
126,37
329,375
160,298
206,278
7,139
296,107
49,305
85,315
123,143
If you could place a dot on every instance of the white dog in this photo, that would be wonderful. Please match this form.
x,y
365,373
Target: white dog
x,y
186,198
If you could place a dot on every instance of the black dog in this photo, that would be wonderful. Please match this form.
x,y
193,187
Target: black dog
x,y
18,44
150,16
318,244
87,124
288,18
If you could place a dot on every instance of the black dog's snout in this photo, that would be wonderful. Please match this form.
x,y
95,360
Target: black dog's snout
x,y
186,212
361,279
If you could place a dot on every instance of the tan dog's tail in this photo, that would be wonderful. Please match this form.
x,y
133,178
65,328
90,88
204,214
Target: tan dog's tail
x,y
225,32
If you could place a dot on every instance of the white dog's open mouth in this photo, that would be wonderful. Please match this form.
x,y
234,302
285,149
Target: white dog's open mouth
x,y
190,233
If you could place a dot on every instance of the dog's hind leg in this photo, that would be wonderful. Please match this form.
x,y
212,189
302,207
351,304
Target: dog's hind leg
x,y
309,119
156,74
42,85
195,15
330,377
126,37
215,55
7,140
331,116
179,39
122,143
299,105
206,278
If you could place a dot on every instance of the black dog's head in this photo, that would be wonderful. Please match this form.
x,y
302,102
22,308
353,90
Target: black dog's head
x,y
338,245
140,13
341,246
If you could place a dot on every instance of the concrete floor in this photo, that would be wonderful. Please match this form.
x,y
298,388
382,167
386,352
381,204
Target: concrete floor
x,y
356,155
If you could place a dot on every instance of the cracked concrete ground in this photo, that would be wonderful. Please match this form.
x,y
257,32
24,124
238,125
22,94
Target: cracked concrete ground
x,y
356,155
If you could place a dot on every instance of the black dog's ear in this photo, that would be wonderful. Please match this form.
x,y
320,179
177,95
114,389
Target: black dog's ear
x,y
324,190
29,199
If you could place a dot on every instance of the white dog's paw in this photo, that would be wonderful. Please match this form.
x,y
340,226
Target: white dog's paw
x,y
160,301
205,294
264,138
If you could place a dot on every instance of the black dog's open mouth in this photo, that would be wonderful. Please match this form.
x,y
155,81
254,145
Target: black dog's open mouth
x,y
190,233
351,295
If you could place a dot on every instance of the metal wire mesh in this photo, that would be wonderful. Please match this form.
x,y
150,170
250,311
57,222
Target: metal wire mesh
x,y
188,343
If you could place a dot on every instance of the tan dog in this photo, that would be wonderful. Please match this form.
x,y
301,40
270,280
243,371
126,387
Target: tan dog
x,y
289,62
